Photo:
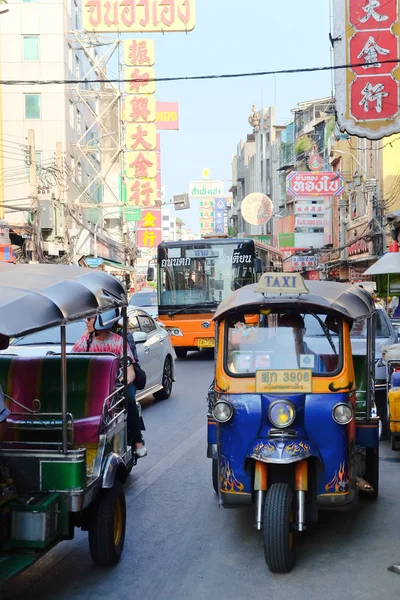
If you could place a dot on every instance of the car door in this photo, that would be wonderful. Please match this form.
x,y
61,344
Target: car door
x,y
142,348
154,347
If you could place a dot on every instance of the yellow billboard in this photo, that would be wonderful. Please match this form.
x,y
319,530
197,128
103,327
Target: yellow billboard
x,y
139,53
138,16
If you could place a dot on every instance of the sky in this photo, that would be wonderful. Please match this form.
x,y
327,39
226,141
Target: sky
x,y
235,36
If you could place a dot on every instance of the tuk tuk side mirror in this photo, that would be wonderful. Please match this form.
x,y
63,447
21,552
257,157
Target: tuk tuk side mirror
x,y
4,342
397,332
150,274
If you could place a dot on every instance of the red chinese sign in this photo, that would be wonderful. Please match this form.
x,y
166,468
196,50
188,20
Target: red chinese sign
x,y
167,116
149,238
307,208
367,93
138,16
139,109
303,183
141,165
150,219
139,53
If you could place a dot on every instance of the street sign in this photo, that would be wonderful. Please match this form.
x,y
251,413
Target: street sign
x,y
220,203
133,214
181,201
94,262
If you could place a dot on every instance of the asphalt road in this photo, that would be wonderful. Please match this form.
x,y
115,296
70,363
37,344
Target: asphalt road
x,y
181,546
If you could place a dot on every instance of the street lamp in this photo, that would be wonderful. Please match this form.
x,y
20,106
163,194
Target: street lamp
x,y
353,157
101,218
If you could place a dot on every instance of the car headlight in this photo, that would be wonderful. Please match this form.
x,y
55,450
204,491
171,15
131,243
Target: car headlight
x,y
222,411
282,413
342,414
174,331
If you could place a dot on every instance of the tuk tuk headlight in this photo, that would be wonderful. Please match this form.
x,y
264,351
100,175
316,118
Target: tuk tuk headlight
x,y
342,414
222,411
282,413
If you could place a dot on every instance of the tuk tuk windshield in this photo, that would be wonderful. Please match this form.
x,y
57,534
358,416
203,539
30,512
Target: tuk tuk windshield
x,y
283,341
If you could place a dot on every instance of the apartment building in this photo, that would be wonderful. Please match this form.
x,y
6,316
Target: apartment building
x,y
37,44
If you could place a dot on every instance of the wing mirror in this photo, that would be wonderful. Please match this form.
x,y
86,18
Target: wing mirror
x,y
140,337
150,274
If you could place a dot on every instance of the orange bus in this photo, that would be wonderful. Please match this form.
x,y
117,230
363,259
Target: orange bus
x,y
193,277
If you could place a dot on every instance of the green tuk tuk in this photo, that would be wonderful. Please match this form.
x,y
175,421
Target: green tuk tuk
x,y
65,457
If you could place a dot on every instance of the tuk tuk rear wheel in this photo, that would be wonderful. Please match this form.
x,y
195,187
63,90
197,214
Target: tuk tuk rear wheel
x,y
215,475
279,532
371,475
107,526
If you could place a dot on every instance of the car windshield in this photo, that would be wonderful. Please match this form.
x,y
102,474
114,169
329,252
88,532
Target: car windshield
x,y
144,299
51,336
280,342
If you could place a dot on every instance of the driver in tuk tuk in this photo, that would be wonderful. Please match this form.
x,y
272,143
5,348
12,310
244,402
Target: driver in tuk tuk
x,y
296,323
100,338
4,412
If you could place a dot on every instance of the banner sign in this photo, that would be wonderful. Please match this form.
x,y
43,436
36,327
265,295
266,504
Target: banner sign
x,y
365,33
299,262
198,189
309,222
140,165
219,223
308,208
138,16
149,238
263,239
139,53
304,183
167,116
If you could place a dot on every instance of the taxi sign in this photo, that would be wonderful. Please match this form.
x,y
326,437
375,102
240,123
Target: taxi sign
x,y
271,283
291,381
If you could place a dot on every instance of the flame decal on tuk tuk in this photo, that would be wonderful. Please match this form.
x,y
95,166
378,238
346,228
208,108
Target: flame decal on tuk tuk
x,y
264,449
340,481
298,448
228,481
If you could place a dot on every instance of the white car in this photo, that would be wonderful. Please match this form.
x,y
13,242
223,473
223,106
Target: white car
x,y
153,345
146,300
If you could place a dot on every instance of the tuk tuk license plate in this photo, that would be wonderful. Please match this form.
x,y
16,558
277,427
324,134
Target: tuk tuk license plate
x,y
206,342
295,381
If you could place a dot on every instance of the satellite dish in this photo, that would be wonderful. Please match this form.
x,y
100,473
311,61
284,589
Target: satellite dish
x,y
257,209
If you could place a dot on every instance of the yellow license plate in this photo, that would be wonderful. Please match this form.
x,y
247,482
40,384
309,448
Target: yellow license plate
x,y
206,342
294,381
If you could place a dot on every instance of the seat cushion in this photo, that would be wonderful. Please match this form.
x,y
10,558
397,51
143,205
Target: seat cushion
x,y
90,379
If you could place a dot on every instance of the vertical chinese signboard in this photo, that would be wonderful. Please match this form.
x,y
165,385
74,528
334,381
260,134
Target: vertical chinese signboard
x,y
366,35
138,16
149,232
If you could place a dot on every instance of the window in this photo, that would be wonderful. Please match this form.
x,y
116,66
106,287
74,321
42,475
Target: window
x,y
133,324
32,106
78,122
71,114
77,68
146,323
32,1
165,218
70,58
31,47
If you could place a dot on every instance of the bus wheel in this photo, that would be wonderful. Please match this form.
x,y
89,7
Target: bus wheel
x,y
181,352
107,526
279,533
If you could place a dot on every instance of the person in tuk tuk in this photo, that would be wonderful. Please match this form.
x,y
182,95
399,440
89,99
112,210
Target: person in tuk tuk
x,y
296,323
100,338
4,412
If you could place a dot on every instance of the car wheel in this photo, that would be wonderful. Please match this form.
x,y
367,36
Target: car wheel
x,y
166,390
181,352
382,410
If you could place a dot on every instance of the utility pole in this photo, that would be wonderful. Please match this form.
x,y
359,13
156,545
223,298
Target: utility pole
x,y
343,201
35,206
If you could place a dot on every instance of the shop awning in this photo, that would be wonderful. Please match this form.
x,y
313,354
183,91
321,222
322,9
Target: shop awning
x,y
117,265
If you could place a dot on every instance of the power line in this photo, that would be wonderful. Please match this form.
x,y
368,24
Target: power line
x,y
12,82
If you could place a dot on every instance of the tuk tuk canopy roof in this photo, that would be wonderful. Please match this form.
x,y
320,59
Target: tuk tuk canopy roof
x,y
350,301
34,297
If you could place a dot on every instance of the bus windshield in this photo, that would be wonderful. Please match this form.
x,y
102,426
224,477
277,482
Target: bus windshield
x,y
203,273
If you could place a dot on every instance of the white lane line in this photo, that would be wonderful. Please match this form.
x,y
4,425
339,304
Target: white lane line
x,y
148,478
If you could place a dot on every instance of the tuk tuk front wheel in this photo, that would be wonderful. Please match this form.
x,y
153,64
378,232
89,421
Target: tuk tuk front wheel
x,y
215,475
279,532
107,526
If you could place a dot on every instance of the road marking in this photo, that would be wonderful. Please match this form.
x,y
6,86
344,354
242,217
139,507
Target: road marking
x,y
145,480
